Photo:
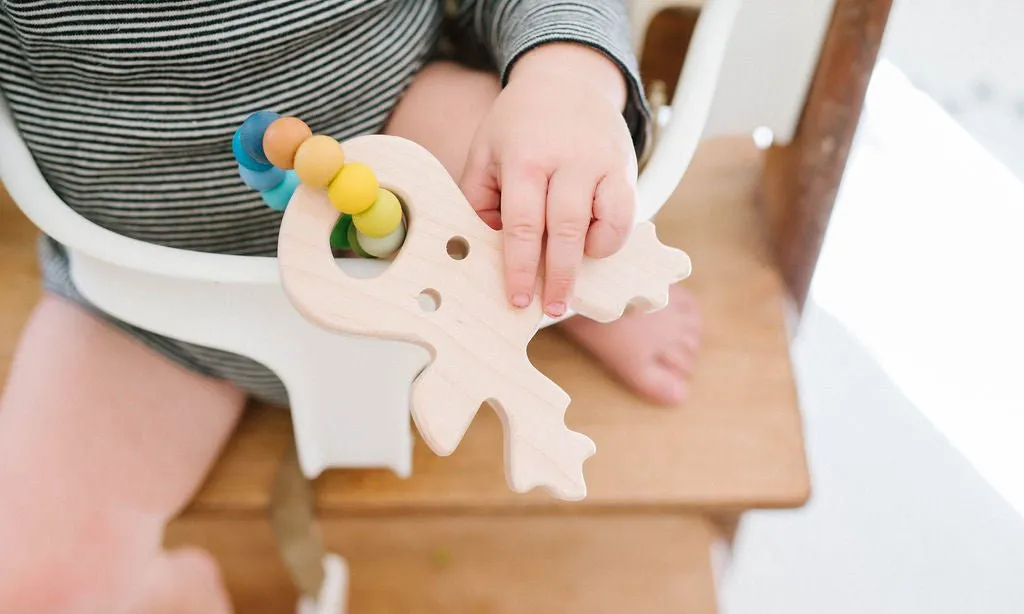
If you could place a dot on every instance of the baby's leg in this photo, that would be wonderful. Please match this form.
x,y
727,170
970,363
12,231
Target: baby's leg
x,y
653,354
442,109
102,441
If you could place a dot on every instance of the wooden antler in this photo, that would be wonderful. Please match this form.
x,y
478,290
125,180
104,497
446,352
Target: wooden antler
x,y
452,302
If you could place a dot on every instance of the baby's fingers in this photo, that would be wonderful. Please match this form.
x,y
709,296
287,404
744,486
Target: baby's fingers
x,y
614,209
570,202
522,218
480,186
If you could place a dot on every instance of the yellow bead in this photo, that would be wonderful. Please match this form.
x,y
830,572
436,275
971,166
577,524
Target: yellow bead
x,y
318,160
382,218
354,189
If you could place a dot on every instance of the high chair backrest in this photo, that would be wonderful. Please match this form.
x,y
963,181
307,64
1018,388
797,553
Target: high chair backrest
x,y
691,102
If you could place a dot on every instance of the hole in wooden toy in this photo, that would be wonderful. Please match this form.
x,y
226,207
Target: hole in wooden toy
x,y
458,248
429,300
364,257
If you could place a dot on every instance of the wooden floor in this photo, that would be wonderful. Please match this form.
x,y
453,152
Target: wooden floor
x,y
453,537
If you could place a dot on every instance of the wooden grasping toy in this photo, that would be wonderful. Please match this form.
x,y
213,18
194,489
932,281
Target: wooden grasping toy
x,y
443,289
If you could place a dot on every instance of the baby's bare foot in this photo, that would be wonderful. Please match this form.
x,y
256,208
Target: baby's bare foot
x,y
654,354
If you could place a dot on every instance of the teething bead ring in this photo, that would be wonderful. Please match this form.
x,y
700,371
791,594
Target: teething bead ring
x,y
275,154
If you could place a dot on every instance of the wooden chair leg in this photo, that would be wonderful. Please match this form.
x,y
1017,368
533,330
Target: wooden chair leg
x,y
726,525
293,521
801,179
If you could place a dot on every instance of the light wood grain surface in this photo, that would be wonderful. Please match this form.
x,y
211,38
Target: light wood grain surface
x,y
476,339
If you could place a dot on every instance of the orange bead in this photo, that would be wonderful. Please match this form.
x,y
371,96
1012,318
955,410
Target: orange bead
x,y
282,140
318,161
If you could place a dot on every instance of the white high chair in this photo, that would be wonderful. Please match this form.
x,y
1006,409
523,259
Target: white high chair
x,y
235,303
349,396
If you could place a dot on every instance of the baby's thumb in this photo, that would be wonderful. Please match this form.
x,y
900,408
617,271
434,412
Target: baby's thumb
x,y
480,186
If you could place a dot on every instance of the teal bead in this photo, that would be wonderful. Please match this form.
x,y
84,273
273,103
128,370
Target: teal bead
x,y
277,198
242,157
251,134
261,180
339,236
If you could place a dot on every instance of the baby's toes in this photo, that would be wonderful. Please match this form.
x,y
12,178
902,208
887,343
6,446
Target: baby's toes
x,y
679,357
661,381
688,339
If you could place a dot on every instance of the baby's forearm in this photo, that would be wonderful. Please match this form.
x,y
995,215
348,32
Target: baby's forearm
x,y
533,36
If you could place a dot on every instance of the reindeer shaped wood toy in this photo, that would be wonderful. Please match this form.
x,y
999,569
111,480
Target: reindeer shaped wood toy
x,y
387,197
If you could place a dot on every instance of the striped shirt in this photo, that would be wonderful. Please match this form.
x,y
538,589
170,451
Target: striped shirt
x,y
129,107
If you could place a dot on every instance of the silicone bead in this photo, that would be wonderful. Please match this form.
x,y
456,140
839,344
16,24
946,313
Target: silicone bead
x,y
261,180
277,198
382,247
354,190
339,236
252,130
382,218
353,243
282,139
318,160
244,158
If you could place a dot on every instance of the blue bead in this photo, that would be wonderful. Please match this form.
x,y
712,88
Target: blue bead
x,y
252,131
244,158
277,198
261,180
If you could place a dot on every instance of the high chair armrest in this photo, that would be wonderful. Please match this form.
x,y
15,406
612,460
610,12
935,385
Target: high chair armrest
x,y
34,196
691,103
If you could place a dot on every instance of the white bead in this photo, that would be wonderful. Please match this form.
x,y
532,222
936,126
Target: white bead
x,y
382,247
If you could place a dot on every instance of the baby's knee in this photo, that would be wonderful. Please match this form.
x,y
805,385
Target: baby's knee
x,y
188,567
81,563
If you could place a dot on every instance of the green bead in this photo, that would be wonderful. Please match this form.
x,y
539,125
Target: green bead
x,y
339,236
442,557
353,243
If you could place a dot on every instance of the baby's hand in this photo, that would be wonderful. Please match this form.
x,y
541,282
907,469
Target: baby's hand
x,y
554,155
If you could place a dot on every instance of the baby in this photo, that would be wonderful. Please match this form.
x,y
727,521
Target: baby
x,y
106,431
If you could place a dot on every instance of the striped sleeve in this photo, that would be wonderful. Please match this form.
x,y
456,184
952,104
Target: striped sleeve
x,y
507,29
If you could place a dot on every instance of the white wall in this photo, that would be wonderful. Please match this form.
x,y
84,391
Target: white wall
x,y
969,56
898,522
909,367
